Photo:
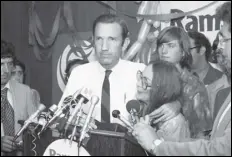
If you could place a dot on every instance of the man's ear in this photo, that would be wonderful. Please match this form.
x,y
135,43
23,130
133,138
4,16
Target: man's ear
x,y
92,39
125,44
202,50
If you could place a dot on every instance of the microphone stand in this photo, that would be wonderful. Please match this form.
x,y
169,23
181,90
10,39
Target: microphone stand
x,y
78,147
75,125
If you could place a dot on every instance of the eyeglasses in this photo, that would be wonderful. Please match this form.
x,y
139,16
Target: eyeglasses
x,y
143,80
223,40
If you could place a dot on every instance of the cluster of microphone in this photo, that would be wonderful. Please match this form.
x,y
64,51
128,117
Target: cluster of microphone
x,y
72,109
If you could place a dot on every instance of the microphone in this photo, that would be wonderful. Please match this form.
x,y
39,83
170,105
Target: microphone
x,y
83,98
44,117
133,107
94,101
116,114
29,120
58,112
52,110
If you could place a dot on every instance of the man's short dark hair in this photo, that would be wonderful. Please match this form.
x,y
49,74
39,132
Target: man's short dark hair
x,y
201,40
223,12
74,62
111,18
7,50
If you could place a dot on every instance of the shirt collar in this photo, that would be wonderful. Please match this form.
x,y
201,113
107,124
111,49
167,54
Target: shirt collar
x,y
114,69
7,86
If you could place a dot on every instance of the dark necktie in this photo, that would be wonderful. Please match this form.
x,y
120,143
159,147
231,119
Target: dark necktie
x,y
7,114
219,100
105,99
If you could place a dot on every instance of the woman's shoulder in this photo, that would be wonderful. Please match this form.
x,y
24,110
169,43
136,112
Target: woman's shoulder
x,y
174,129
174,123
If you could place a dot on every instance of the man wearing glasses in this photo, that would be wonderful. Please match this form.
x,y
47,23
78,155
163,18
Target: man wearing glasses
x,y
214,80
201,51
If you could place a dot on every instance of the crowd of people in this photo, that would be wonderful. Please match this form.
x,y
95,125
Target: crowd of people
x,y
185,102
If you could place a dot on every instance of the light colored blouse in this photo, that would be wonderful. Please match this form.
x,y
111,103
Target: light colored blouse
x,y
175,129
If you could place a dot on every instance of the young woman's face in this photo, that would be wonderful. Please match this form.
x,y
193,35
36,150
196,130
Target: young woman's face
x,y
170,51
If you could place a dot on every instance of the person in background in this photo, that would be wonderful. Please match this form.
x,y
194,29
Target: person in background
x,y
19,72
200,49
214,80
19,75
173,46
157,85
71,65
219,143
16,102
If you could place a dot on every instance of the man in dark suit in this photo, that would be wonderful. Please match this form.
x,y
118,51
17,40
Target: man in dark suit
x,y
16,102
219,142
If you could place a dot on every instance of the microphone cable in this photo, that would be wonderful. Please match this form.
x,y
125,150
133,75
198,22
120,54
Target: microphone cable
x,y
34,144
34,135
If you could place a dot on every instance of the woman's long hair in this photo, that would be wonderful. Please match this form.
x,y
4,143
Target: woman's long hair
x,y
176,33
166,84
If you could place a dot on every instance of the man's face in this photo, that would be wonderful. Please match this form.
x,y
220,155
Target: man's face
x,y
225,45
170,52
196,55
17,74
6,69
108,43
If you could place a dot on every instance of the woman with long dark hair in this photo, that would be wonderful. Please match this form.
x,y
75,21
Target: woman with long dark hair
x,y
157,85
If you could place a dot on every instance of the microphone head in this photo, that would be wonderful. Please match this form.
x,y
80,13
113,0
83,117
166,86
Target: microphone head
x,y
53,108
41,107
83,93
94,99
133,104
67,99
116,113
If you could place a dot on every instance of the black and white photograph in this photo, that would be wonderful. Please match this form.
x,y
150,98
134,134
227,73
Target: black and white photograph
x,y
115,78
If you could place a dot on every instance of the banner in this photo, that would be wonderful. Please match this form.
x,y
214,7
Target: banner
x,y
189,15
203,20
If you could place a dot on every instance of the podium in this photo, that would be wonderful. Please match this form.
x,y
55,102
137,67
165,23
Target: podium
x,y
107,140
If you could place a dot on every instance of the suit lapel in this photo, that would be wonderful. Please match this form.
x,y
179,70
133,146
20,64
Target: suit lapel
x,y
224,122
222,109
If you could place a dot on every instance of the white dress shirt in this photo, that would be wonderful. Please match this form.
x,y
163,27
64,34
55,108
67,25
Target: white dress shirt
x,y
122,85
